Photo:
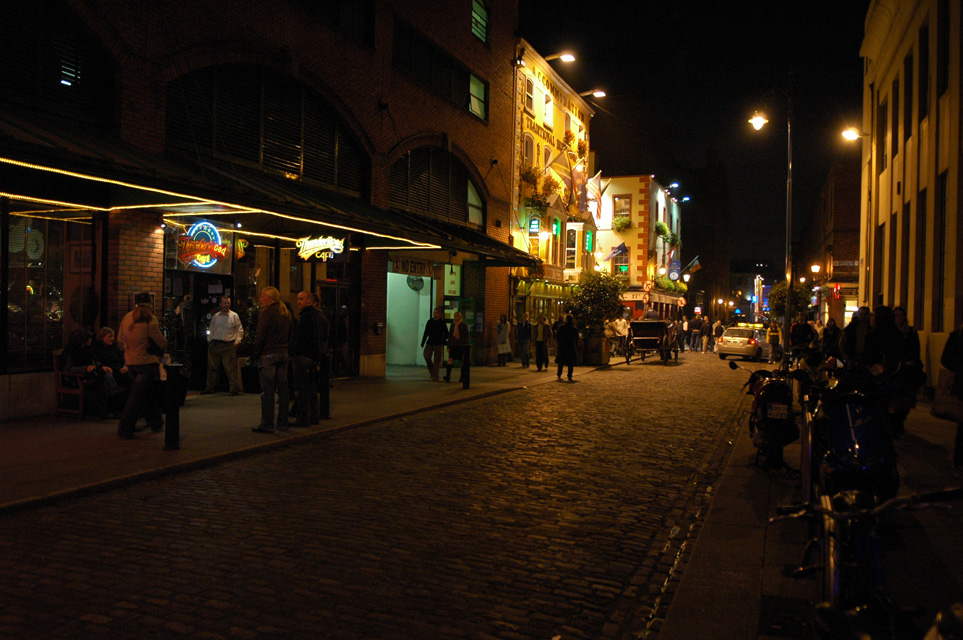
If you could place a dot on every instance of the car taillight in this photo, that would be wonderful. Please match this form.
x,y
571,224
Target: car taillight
x,y
752,341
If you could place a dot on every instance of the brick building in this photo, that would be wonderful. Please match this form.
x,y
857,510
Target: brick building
x,y
201,149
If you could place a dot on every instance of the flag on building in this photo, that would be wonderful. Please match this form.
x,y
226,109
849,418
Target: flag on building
x,y
594,187
578,186
617,251
693,266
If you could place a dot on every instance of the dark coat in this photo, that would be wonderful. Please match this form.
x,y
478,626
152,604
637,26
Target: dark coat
x,y
308,336
567,340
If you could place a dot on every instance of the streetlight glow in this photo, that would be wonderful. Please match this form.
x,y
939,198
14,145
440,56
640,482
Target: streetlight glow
x,y
564,57
758,121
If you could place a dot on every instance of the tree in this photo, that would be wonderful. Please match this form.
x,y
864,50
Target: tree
x,y
599,296
801,295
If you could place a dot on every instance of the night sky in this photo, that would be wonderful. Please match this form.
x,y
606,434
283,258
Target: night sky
x,y
703,68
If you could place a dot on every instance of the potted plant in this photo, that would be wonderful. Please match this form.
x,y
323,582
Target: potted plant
x,y
529,180
621,223
598,297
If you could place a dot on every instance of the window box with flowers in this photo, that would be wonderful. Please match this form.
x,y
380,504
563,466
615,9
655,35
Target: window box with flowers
x,y
621,223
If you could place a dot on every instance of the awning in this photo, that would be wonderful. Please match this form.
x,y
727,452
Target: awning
x,y
71,174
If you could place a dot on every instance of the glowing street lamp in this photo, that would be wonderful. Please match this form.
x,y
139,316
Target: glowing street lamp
x,y
563,56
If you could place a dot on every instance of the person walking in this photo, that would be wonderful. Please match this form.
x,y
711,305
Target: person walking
x,y
830,341
695,328
224,334
774,338
137,330
306,351
433,341
802,334
541,334
271,344
566,341
523,336
459,348
503,340
852,341
717,331
705,333
952,359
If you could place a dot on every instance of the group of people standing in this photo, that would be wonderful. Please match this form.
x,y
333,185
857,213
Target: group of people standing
x,y
437,335
700,334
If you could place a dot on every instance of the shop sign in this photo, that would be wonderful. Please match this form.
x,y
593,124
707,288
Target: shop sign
x,y
534,225
323,248
240,248
554,273
201,246
403,265
453,280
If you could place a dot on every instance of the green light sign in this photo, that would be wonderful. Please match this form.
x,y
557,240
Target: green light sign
x,y
555,227
534,225
588,241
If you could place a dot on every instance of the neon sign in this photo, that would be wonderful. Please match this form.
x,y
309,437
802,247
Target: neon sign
x,y
325,247
241,247
201,246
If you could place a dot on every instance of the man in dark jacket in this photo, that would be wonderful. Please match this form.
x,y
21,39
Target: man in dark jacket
x,y
433,340
566,339
306,352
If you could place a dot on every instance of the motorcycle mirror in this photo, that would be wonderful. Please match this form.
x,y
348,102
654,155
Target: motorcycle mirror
x,y
733,365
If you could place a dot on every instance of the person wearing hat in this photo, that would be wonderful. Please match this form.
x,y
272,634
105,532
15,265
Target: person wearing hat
x,y
138,330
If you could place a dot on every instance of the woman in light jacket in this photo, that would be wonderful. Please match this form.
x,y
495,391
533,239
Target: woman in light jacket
x,y
137,330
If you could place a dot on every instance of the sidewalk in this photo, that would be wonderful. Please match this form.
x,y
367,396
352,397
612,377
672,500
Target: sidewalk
x,y
735,582
51,457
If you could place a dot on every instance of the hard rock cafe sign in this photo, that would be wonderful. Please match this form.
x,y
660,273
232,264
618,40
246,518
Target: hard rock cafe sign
x,y
323,248
201,246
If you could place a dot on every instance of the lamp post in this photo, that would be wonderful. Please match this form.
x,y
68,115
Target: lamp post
x,y
758,121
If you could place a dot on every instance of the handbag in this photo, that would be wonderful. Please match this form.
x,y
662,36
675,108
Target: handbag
x,y
946,405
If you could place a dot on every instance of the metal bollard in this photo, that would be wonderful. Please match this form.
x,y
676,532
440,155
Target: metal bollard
x,y
172,398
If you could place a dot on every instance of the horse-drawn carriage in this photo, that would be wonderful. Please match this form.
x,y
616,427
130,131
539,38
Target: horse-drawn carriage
x,y
653,336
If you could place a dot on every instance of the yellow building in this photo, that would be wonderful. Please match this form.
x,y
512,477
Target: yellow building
x,y
550,219
910,204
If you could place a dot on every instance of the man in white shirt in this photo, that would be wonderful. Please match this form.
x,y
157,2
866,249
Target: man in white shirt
x,y
224,334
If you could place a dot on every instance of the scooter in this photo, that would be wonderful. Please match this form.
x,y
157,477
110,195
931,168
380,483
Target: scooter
x,y
772,423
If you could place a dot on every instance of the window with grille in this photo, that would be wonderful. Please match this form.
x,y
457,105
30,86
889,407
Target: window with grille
x,y
571,248
479,20
620,265
241,114
53,64
431,181
622,206
434,66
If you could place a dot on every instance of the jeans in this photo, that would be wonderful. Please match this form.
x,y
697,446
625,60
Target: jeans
x,y
541,354
434,354
222,353
307,402
272,371
523,351
142,400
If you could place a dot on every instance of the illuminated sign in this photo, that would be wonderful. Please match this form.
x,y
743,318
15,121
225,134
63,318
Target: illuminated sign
x,y
534,225
325,247
241,247
588,241
201,246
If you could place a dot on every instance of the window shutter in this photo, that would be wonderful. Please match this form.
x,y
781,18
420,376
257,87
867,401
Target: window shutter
x,y
418,180
458,193
398,183
282,143
350,163
438,188
189,114
237,114
320,125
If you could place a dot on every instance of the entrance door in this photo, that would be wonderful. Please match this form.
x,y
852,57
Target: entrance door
x,y
189,316
340,303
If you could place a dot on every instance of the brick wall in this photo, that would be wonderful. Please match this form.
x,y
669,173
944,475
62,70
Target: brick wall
x,y
135,261
374,300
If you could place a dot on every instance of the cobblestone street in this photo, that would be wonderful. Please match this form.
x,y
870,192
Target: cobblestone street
x,y
564,510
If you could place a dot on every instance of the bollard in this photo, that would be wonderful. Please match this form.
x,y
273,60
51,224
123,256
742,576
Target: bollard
x,y
172,402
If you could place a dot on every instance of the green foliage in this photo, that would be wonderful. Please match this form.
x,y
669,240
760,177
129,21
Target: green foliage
x,y
662,230
801,294
549,186
621,223
666,284
599,296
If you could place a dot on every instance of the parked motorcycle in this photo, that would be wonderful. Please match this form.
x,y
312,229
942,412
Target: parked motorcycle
x,y
772,422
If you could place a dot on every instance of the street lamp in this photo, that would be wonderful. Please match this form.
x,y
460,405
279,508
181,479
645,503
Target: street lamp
x,y
564,57
598,93
758,121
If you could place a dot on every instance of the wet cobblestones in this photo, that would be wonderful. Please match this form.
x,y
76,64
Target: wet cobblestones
x,y
561,510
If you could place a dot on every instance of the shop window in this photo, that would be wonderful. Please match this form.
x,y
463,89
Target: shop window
x,y
50,290
430,180
479,20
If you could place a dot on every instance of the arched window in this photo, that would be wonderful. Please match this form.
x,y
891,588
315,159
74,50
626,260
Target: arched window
x,y
431,181
546,156
528,151
247,115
